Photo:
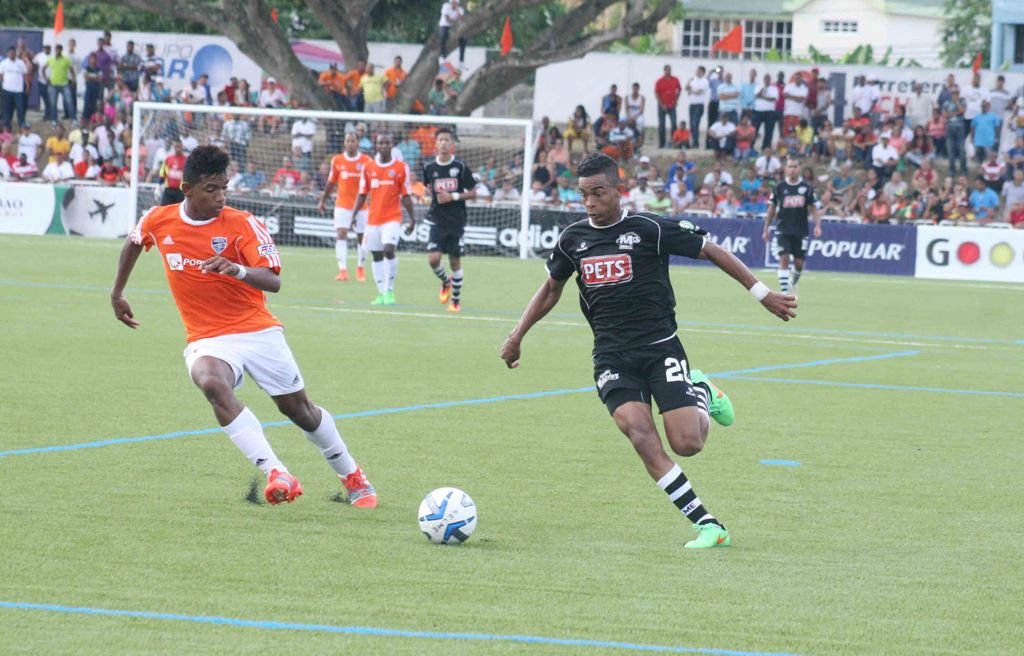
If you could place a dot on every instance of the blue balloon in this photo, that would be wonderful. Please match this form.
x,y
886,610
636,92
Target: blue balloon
x,y
215,62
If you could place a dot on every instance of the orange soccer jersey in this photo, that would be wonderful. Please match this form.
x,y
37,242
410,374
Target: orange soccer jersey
x,y
347,174
211,304
386,184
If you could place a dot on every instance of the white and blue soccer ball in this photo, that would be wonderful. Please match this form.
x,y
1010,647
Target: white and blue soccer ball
x,y
447,516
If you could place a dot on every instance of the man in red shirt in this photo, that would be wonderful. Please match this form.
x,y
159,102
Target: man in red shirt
x,y
172,170
667,90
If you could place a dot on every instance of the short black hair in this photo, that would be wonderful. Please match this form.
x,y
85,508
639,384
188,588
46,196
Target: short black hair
x,y
444,129
205,161
596,164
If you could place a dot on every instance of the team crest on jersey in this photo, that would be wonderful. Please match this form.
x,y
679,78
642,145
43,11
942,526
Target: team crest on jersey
x,y
627,241
582,247
453,171
391,173
801,190
219,244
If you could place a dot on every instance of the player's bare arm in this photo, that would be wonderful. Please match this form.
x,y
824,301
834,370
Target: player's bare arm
x,y
410,225
816,217
125,263
781,305
262,278
768,218
360,201
322,205
542,302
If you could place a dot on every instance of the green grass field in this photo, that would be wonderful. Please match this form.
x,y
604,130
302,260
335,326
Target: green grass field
x,y
898,533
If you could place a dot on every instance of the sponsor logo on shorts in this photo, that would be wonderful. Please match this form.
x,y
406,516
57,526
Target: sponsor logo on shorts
x,y
627,241
602,270
606,375
219,244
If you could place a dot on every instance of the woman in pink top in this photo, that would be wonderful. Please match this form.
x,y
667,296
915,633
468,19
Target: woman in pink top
x,y
937,131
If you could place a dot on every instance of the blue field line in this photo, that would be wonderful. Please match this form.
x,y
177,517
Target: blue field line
x,y
781,463
379,632
516,313
815,363
285,422
875,386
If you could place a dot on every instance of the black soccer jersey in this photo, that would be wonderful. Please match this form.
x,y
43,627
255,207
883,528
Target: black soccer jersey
x,y
793,203
622,275
452,177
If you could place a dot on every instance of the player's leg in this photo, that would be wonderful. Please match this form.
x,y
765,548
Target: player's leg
x,y
217,379
372,242
319,427
389,236
783,242
360,228
434,250
454,250
798,261
342,220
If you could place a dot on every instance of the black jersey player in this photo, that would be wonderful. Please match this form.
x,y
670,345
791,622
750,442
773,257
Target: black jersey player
x,y
792,202
621,264
451,184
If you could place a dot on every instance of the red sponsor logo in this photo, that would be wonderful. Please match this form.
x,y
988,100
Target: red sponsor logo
x,y
606,270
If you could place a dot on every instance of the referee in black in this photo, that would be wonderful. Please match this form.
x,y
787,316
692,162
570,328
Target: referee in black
x,y
451,184
792,201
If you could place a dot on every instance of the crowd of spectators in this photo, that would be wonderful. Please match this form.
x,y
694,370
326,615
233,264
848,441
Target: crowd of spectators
x,y
946,157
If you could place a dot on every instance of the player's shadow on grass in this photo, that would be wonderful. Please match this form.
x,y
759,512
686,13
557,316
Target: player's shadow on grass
x,y
253,496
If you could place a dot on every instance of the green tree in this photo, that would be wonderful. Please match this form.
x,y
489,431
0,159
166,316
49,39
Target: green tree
x,y
966,31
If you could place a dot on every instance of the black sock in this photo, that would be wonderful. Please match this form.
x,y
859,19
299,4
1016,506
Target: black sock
x,y
679,491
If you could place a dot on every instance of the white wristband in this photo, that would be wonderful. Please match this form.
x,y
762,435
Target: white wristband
x,y
456,196
759,291
241,272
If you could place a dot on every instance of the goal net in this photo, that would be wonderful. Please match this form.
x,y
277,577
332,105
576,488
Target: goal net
x,y
281,162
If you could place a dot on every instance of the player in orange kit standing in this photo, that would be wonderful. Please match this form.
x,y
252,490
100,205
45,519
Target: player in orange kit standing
x,y
346,172
386,180
219,262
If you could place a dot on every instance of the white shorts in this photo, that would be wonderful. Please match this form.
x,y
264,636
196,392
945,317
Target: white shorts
x,y
343,219
264,355
376,236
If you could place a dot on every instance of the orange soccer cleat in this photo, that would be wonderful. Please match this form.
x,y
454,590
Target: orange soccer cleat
x,y
360,274
342,275
446,293
281,486
454,306
360,493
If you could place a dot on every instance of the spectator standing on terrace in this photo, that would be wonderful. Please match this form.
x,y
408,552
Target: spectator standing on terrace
x,y
956,132
333,82
152,64
698,90
59,73
728,99
984,131
973,97
611,103
666,90
14,86
396,76
303,132
43,80
129,67
919,107
795,94
451,13
764,110
748,93
373,87
634,104
237,134
822,104
105,62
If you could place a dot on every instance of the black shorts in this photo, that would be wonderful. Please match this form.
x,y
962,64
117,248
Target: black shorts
x,y
659,372
790,245
445,240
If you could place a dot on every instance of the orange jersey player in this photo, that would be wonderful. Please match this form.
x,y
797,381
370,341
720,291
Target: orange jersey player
x,y
386,182
219,262
347,172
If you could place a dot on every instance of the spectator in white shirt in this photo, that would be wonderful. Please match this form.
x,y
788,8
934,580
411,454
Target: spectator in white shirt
x,y
14,89
59,170
919,107
764,110
723,136
884,158
767,164
271,96
507,191
640,195
29,143
303,131
973,96
451,14
717,176
795,94
698,90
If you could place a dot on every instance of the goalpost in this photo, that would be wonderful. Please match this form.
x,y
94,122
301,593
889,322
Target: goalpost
x,y
496,150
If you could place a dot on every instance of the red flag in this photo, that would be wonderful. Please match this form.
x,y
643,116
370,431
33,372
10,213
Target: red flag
x,y
507,41
731,42
976,66
273,14
58,19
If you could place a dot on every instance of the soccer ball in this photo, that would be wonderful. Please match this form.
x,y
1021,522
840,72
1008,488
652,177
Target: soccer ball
x,y
447,516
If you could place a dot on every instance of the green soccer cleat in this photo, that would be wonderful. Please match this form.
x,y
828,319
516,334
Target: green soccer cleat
x,y
389,298
380,300
709,535
720,406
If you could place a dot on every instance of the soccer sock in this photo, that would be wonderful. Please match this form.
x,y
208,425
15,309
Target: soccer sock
x,y
327,438
456,285
341,252
361,254
247,434
682,495
441,274
380,275
796,275
703,393
783,280
392,272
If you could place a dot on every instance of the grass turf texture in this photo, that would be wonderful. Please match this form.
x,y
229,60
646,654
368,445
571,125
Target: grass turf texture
x,y
892,536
